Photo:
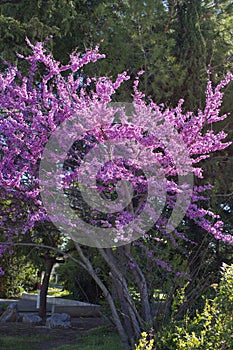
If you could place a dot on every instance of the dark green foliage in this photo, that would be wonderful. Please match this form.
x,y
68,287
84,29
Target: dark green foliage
x,y
20,274
173,41
76,280
38,19
190,52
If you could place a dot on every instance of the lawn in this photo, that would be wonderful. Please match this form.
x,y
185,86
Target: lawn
x,y
97,339
22,343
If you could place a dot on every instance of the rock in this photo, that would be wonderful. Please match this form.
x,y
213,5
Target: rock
x,y
11,314
32,319
58,321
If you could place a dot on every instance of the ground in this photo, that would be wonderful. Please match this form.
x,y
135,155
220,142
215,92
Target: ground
x,y
51,338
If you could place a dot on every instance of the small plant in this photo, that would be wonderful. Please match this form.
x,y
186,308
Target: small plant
x,y
145,343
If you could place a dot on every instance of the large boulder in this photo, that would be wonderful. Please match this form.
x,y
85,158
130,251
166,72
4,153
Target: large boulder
x,y
11,314
32,319
58,321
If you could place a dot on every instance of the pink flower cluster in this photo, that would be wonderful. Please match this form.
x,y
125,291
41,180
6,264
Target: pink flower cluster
x,y
31,109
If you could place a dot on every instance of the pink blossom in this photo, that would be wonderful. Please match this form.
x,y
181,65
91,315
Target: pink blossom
x,y
32,110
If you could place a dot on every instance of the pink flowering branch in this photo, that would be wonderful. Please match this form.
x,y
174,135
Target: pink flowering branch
x,y
32,109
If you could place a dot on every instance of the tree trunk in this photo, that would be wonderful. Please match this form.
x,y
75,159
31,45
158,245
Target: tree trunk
x,y
143,290
133,314
49,262
88,267
124,310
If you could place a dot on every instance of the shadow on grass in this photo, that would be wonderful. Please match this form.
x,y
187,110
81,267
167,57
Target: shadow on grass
x,y
22,343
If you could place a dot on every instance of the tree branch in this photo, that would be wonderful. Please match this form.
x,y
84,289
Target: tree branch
x,y
44,246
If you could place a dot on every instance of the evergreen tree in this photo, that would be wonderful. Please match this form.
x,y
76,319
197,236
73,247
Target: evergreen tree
x,y
190,51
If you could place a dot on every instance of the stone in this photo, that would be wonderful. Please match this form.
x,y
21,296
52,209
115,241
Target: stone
x,y
58,321
32,319
11,314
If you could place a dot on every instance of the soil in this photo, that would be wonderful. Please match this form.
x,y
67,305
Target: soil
x,y
56,337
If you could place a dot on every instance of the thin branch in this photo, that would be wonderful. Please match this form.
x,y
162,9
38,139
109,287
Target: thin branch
x,y
44,246
172,11
224,194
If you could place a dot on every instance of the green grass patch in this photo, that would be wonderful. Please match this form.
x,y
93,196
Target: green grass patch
x,y
22,343
96,339
56,292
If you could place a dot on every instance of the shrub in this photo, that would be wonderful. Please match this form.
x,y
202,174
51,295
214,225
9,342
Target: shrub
x,y
210,329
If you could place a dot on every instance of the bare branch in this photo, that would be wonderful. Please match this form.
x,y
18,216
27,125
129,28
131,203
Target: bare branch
x,y
43,246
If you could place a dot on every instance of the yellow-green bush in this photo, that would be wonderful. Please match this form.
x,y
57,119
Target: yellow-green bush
x,y
209,329
145,343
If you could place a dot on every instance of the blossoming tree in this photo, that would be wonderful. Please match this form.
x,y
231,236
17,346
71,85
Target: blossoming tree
x,y
112,175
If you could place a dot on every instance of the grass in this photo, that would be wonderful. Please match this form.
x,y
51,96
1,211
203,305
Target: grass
x,y
56,292
96,339
21,343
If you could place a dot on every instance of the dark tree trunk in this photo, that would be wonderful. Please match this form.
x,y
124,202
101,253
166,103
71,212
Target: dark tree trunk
x,y
124,311
49,262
